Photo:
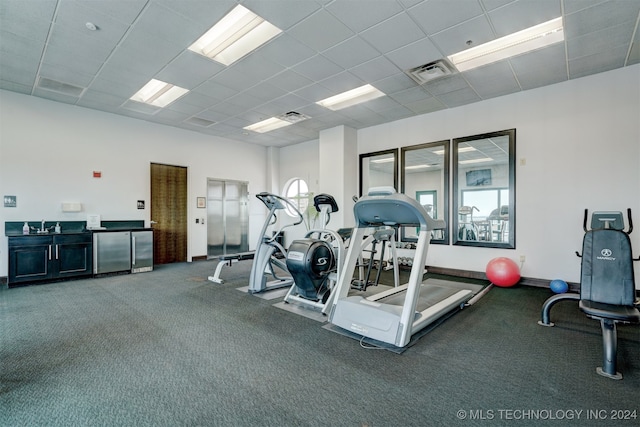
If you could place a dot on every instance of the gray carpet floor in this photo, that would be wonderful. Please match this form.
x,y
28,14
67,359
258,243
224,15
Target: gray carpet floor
x,y
169,348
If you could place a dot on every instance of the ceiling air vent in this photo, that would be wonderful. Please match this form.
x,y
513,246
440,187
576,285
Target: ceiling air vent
x,y
293,117
431,71
59,87
197,121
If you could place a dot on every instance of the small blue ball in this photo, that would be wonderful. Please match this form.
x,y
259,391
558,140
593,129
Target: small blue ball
x,y
559,286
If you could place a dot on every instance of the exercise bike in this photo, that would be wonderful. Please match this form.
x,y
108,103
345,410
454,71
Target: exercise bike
x,y
270,252
315,262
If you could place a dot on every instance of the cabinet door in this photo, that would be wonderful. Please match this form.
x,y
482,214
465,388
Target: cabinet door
x,y
29,263
73,255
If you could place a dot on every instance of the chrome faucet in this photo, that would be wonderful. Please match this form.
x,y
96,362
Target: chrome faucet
x,y
42,227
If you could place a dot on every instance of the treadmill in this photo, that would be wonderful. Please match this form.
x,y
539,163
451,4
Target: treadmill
x,y
391,316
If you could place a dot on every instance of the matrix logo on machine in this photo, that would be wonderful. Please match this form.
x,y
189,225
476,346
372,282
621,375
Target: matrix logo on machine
x,y
606,255
322,261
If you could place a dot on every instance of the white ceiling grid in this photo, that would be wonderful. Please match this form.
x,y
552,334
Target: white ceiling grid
x,y
327,47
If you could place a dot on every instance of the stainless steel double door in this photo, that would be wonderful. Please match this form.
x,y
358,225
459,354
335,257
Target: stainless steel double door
x,y
227,217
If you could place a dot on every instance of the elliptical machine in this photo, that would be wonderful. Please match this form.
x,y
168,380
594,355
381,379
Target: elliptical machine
x,y
315,262
269,252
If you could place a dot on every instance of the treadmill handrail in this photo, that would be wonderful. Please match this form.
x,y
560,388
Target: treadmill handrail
x,y
395,209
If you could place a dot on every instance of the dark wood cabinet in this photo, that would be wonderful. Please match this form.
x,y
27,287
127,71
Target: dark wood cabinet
x,y
36,258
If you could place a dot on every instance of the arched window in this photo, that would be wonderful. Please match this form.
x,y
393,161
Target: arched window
x,y
297,191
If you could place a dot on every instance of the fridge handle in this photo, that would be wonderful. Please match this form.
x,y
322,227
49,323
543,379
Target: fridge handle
x,y
133,250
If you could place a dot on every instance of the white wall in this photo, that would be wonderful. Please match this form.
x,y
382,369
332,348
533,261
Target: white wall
x,y
48,152
578,146
580,142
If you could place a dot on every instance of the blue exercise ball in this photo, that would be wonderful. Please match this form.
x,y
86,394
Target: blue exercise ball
x,y
559,286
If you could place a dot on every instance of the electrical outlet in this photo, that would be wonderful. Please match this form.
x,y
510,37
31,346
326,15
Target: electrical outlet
x,y
522,258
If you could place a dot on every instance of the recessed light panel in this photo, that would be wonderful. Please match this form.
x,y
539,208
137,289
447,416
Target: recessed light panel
x,y
234,36
351,97
158,93
529,39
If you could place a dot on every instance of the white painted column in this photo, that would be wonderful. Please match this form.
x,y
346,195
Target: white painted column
x,y
338,174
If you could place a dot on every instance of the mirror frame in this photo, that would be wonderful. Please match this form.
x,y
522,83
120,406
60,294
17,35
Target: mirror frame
x,y
511,243
444,198
394,152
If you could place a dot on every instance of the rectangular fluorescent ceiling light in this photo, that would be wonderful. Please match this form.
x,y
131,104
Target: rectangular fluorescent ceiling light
x,y
529,39
351,97
268,125
238,33
416,167
385,160
158,93
482,160
460,150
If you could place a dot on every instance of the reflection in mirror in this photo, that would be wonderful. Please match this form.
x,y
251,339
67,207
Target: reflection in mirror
x,y
425,176
484,190
379,169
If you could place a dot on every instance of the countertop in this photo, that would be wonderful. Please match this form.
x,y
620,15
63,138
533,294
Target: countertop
x,y
14,228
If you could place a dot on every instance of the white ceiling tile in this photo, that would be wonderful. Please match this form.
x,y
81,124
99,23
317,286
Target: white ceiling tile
x,y
350,12
410,95
600,16
459,97
289,81
215,90
494,4
317,68
434,16
415,54
205,12
351,52
393,33
455,39
286,51
493,80
342,82
282,13
189,70
523,14
125,11
599,62
265,91
374,70
395,83
320,31
75,14
315,92
446,84
600,41
425,106
541,67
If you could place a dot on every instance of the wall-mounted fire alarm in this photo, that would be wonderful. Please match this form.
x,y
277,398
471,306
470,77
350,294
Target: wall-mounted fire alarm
x,y
97,174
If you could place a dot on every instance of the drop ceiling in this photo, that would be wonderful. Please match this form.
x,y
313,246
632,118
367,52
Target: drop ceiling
x,y
326,47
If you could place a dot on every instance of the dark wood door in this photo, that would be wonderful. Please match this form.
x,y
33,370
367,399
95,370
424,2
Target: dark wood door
x,y
169,213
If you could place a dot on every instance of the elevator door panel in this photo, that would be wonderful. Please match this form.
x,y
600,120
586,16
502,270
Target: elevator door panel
x,y
227,211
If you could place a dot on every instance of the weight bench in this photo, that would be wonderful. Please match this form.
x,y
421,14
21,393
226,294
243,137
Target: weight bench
x,y
228,260
607,285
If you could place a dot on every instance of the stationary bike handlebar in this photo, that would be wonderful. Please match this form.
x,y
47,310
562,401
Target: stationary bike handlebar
x,y
274,202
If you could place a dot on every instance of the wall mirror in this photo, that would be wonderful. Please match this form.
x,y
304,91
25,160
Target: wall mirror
x,y
484,190
425,177
379,169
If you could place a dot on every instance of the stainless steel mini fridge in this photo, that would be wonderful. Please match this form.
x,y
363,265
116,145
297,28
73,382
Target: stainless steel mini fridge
x,y
111,251
141,251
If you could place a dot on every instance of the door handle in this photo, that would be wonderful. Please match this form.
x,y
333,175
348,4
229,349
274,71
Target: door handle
x,y
153,222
